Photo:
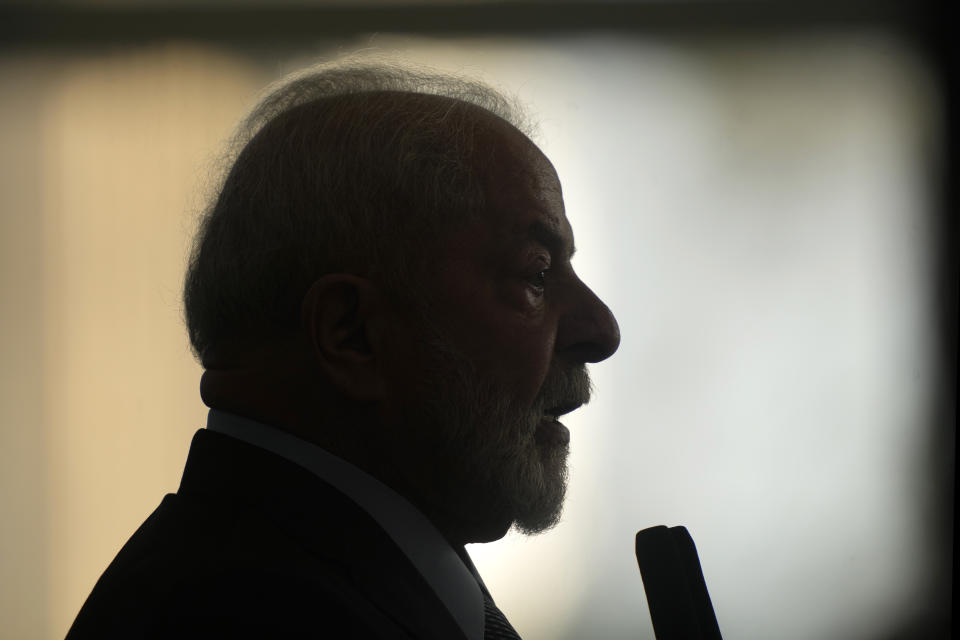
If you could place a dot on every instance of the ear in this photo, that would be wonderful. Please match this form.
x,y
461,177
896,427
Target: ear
x,y
341,315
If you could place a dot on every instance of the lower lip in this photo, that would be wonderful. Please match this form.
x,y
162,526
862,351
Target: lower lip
x,y
552,432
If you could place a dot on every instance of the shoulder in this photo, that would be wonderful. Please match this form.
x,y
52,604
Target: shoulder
x,y
258,546
230,605
206,570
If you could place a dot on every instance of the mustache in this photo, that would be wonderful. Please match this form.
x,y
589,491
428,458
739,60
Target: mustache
x,y
565,388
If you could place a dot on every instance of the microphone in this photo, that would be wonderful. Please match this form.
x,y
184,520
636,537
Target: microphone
x,y
680,606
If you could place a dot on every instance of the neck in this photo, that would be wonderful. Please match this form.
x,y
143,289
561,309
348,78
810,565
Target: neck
x,y
279,393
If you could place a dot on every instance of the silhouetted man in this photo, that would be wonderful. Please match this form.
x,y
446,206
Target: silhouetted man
x,y
382,298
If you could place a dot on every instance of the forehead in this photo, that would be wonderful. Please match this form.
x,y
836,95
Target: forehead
x,y
524,196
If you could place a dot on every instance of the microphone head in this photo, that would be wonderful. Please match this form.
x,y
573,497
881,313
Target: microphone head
x,y
680,605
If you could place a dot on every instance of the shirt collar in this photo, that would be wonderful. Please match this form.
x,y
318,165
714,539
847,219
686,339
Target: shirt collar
x,y
445,571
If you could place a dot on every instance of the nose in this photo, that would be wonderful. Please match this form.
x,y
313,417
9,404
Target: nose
x,y
588,332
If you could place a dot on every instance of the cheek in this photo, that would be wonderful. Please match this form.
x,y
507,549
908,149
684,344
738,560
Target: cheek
x,y
527,337
507,333
524,359
521,299
511,352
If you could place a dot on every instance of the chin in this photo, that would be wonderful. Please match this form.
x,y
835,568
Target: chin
x,y
546,490
531,505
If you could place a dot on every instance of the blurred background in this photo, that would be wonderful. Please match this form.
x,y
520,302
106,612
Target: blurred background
x,y
758,190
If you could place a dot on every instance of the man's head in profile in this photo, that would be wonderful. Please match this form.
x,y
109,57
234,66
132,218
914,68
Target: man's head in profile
x,y
387,274
382,298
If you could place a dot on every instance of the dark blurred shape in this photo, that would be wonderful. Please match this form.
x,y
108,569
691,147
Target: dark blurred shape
x,y
677,594
75,24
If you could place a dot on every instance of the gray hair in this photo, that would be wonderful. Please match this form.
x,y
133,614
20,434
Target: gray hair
x,y
357,169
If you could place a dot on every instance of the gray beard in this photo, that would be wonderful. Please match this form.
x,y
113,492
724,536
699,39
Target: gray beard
x,y
488,467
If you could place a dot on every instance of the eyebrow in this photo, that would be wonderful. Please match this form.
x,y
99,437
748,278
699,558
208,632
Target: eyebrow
x,y
548,237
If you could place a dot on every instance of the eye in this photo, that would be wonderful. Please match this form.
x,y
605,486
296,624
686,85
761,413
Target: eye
x,y
539,281
534,276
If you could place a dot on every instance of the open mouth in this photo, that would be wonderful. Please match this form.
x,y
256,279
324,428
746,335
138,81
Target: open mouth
x,y
553,414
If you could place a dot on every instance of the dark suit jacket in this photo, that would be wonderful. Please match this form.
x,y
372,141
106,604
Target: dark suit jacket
x,y
253,545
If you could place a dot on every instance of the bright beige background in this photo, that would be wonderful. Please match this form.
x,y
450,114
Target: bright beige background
x,y
102,162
